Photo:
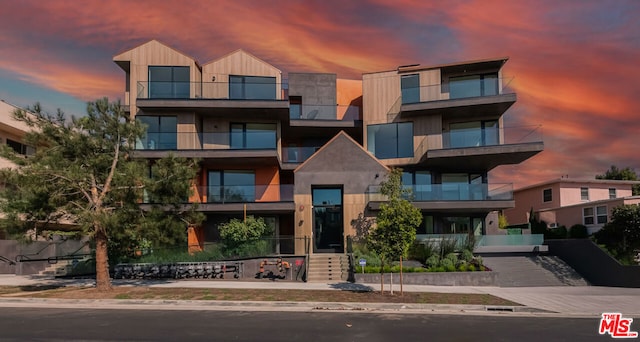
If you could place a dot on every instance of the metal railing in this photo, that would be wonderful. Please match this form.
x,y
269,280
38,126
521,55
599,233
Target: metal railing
x,y
449,192
511,240
457,90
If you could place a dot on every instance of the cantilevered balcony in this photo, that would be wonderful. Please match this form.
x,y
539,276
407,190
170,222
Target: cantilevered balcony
x,y
244,100
341,116
452,197
270,198
480,149
257,147
468,97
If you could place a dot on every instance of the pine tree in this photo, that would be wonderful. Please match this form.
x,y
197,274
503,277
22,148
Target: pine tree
x,y
83,173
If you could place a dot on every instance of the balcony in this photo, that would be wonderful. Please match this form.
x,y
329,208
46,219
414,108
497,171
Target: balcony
x,y
452,198
260,146
214,98
294,156
305,115
459,99
481,149
270,198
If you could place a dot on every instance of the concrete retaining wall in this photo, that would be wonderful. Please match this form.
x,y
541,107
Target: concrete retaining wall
x,y
485,278
37,250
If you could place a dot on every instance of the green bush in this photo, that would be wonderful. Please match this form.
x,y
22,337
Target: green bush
x,y
471,268
467,255
433,261
448,245
578,231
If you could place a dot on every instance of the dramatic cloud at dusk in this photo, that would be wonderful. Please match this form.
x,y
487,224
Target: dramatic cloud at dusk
x,y
573,63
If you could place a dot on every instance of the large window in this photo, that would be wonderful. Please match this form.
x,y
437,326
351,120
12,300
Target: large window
x,y
587,216
546,195
601,214
253,136
419,182
391,140
231,186
475,133
410,87
472,86
161,133
21,148
252,88
168,82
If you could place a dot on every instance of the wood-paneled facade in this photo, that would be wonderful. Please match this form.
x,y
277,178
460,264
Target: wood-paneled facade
x,y
216,128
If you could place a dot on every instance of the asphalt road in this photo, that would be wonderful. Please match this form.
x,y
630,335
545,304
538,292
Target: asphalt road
x,y
34,324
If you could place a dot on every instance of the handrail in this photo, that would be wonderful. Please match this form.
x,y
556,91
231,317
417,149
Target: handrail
x,y
5,259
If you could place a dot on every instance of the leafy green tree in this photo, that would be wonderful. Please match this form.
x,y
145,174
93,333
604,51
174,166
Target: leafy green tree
x,y
396,221
83,174
237,232
621,235
627,173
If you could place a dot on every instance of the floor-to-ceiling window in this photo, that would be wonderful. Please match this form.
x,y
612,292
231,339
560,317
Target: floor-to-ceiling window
x,y
473,85
253,136
252,88
410,87
161,133
393,140
231,186
169,82
470,134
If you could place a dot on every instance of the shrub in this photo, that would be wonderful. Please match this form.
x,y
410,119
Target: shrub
x,y
448,245
433,261
578,231
446,263
467,255
471,268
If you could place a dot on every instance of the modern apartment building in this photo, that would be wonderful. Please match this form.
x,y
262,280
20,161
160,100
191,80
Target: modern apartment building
x,y
568,201
309,154
12,133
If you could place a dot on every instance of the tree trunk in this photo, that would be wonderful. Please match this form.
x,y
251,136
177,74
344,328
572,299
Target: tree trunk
x,y
103,281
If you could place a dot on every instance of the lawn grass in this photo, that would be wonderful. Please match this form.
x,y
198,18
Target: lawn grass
x,y
347,296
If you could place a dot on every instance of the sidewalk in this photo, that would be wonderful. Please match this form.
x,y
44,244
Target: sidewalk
x,y
575,301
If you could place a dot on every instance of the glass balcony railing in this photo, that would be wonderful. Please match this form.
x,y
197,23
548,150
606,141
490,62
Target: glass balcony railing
x,y
511,240
324,112
457,89
491,136
449,192
298,154
247,193
237,194
261,140
210,90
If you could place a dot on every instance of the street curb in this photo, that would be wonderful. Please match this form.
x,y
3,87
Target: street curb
x,y
217,305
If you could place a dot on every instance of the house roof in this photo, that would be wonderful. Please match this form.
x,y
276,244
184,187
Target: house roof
x,y
241,51
340,135
493,62
578,181
125,55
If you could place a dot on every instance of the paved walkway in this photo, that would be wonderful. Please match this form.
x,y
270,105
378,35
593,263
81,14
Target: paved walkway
x,y
577,301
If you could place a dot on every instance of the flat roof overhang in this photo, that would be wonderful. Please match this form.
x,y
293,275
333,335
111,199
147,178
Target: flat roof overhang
x,y
326,123
482,157
494,105
456,206
275,109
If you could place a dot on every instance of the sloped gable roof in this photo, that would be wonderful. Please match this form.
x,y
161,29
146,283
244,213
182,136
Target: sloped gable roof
x,y
337,150
126,55
244,53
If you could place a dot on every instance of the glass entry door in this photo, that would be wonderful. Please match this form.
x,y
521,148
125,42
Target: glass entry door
x,y
328,230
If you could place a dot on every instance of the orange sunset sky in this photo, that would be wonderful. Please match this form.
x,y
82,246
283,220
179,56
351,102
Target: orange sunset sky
x,y
575,64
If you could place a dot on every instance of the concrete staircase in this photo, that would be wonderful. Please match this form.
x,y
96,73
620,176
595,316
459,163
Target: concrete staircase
x,y
325,267
58,269
532,270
